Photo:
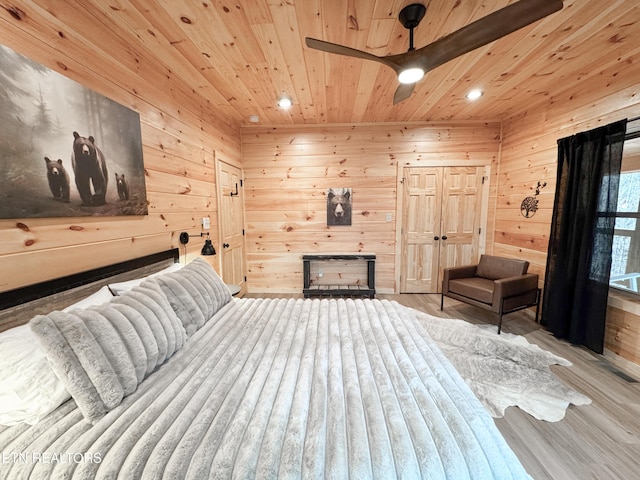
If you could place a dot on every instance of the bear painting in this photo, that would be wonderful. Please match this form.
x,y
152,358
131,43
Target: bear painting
x,y
58,179
339,206
90,170
123,188
46,116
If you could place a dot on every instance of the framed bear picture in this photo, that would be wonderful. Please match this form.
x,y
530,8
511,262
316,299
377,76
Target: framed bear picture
x,y
65,150
339,206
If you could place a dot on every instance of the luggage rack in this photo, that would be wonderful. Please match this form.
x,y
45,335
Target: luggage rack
x,y
339,290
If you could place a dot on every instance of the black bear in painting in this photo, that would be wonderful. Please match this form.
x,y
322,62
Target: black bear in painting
x,y
58,179
123,188
339,206
90,169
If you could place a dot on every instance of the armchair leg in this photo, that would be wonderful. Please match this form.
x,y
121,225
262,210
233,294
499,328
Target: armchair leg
x,y
499,323
441,301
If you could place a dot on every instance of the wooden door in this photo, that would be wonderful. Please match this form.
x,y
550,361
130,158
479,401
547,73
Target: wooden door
x,y
440,224
422,205
231,214
460,218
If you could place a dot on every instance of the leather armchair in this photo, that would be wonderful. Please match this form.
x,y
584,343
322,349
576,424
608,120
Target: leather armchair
x,y
501,285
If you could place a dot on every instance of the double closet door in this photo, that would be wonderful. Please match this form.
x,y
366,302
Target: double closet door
x,y
440,224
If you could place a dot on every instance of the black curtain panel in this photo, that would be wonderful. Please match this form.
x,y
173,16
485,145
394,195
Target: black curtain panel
x,y
579,257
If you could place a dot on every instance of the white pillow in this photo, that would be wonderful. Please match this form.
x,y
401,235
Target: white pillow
x,y
103,295
29,389
120,287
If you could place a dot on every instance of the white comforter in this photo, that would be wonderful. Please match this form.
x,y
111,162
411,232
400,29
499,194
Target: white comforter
x,y
281,388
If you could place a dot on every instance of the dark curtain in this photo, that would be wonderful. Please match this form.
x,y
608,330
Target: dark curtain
x,y
579,257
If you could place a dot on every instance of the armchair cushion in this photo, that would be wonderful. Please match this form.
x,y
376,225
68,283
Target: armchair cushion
x,y
480,289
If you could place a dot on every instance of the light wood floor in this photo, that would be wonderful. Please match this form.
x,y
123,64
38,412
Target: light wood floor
x,y
598,441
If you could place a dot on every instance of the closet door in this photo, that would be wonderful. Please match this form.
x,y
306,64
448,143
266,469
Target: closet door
x,y
422,204
440,224
460,217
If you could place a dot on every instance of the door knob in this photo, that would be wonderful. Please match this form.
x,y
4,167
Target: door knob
x,y
225,245
444,237
436,238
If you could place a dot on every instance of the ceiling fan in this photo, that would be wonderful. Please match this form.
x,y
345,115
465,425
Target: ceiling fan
x,y
412,65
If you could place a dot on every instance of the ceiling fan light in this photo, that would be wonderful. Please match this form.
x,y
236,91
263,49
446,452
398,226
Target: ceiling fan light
x,y
410,75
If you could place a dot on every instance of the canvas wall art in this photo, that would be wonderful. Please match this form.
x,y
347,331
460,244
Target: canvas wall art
x,y
65,150
339,206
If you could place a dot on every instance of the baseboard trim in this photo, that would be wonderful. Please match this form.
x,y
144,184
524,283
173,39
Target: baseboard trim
x,y
627,366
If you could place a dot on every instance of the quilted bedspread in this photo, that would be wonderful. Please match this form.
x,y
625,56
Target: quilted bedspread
x,y
281,388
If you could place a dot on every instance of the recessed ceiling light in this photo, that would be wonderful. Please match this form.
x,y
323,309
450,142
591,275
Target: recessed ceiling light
x,y
474,94
254,118
284,102
410,75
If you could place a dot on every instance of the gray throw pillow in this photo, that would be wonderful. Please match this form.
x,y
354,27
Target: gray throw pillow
x,y
102,353
195,292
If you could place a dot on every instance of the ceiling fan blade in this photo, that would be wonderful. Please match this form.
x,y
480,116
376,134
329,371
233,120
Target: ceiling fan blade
x,y
403,92
348,51
481,32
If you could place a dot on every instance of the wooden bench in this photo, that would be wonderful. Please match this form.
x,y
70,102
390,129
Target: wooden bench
x,y
353,289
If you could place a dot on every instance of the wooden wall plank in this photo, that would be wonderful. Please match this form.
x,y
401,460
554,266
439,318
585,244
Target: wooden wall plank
x,y
20,269
623,334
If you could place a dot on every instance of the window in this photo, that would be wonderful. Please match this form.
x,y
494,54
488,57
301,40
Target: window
x,y
625,257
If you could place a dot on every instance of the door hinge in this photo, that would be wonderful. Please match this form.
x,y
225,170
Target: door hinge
x,y
479,231
243,232
245,278
241,183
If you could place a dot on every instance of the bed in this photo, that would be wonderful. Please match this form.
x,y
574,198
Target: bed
x,y
221,387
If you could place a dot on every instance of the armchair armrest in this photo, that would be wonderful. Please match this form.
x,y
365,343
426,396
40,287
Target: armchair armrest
x,y
512,286
452,273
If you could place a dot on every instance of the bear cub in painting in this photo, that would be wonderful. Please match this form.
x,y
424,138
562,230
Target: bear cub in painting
x,y
123,188
90,169
58,179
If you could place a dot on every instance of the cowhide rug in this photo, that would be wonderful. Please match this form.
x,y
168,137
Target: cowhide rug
x,y
504,370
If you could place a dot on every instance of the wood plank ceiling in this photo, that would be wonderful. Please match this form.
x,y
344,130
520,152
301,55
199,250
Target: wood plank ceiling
x,y
241,55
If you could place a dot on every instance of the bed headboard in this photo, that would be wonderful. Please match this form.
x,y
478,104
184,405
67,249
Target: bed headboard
x,y
20,305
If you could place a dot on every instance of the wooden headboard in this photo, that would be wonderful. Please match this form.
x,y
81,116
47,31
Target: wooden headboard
x,y
20,305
